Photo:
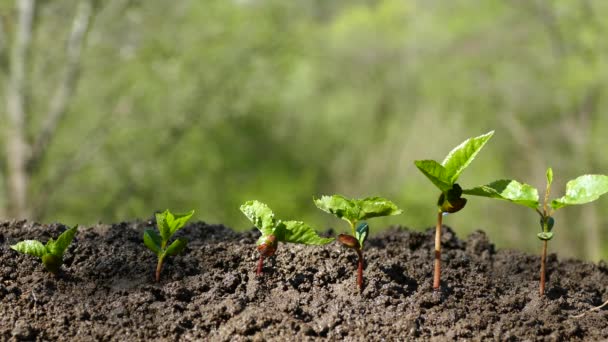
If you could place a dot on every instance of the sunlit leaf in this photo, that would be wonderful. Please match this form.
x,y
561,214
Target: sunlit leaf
x,y
460,157
509,190
59,246
376,207
545,236
30,247
581,190
178,221
260,215
436,173
300,232
340,206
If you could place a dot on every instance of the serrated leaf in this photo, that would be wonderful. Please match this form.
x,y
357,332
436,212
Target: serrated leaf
x,y
353,210
545,236
509,190
361,233
581,190
176,247
59,246
153,241
340,206
436,173
462,155
260,215
163,226
299,232
30,247
375,207
178,221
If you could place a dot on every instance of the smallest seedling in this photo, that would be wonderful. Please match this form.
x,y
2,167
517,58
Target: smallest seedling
x,y
167,223
51,253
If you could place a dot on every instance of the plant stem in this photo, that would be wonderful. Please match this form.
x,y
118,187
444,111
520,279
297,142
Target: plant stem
x,y
360,270
437,275
543,267
260,265
159,266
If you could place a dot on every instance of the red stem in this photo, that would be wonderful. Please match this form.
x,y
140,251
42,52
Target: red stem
x,y
437,275
159,266
260,265
360,270
543,268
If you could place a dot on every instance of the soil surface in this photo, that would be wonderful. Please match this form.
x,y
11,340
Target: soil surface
x,y
106,290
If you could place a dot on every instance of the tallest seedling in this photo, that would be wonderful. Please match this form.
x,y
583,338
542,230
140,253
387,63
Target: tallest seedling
x,y
444,176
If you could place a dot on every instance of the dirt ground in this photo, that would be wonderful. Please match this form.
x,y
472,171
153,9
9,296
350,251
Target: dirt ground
x,y
106,290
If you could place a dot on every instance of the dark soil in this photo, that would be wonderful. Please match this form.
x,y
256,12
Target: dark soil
x,y
106,290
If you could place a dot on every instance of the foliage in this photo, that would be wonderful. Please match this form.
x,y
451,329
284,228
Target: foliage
x,y
168,224
51,253
282,99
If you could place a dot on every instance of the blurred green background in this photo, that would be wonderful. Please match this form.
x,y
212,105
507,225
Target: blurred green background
x,y
205,104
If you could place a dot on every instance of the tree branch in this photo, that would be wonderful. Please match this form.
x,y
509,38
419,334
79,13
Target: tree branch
x,y
59,102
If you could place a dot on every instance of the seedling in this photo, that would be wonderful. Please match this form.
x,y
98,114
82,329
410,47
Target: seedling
x,y
353,211
167,223
444,177
51,253
584,189
275,231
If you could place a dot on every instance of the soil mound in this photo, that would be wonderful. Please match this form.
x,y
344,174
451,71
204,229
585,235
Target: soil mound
x,y
106,290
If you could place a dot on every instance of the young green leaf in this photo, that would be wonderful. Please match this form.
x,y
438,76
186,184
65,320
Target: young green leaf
x,y
338,205
178,221
176,247
581,190
549,177
545,236
353,210
260,215
163,226
361,233
59,246
376,207
436,173
30,247
299,232
153,241
460,157
509,190
168,223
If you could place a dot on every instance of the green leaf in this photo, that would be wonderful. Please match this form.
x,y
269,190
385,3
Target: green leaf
x,y
353,210
30,247
549,177
299,232
153,241
260,215
460,157
375,207
581,190
163,226
436,173
176,247
361,233
509,190
59,246
178,221
340,206
545,236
